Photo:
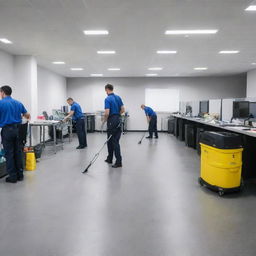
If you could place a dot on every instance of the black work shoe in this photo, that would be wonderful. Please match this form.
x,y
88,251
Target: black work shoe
x,y
11,180
156,137
108,161
21,178
81,147
78,147
116,165
149,137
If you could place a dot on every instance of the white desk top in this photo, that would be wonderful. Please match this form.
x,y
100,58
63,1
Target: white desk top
x,y
237,129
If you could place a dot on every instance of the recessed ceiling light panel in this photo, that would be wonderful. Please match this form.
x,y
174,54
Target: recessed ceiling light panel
x,y
106,52
96,75
77,69
58,62
201,68
113,69
251,8
191,32
151,74
166,52
155,68
229,52
5,41
95,32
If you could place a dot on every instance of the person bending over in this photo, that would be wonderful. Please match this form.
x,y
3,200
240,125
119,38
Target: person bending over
x,y
78,116
152,121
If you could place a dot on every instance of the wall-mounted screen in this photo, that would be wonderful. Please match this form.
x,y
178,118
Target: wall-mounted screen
x,y
204,107
241,109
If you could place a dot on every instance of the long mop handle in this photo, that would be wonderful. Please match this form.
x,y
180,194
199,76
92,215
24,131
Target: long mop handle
x,y
96,155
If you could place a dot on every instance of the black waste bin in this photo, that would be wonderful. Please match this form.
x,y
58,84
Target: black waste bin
x,y
90,123
190,135
171,124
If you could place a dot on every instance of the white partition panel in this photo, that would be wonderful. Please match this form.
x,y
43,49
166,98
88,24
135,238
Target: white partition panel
x,y
215,106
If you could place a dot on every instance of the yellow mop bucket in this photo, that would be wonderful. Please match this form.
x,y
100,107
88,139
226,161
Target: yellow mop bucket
x,y
30,161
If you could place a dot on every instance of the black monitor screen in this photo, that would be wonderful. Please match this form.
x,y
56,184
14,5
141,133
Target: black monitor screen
x,y
240,109
204,107
253,109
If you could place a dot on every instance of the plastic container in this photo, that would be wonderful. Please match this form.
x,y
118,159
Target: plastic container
x,y
221,168
30,161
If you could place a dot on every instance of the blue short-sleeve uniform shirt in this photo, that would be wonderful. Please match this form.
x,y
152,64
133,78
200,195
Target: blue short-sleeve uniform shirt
x,y
78,113
149,111
113,103
11,111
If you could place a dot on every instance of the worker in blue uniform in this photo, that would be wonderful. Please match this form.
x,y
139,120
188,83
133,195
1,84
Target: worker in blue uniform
x,y
152,121
78,116
114,108
11,112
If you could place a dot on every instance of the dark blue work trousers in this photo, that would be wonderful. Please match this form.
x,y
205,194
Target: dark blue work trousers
x,y
114,129
13,151
81,134
152,127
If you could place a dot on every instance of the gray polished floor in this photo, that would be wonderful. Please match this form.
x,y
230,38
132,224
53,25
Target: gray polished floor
x,y
153,206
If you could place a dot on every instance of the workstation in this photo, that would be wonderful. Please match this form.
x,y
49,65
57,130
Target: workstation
x,y
127,128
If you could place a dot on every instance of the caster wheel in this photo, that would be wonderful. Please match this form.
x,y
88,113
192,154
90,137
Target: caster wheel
x,y
200,182
221,193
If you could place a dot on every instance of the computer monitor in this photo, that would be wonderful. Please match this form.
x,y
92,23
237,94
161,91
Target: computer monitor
x,y
252,109
241,109
204,107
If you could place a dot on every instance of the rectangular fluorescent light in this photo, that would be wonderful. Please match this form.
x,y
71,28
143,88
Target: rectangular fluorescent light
x,y
251,8
201,68
58,62
155,68
113,69
229,52
96,75
5,41
166,52
254,63
95,32
191,32
106,52
151,74
77,69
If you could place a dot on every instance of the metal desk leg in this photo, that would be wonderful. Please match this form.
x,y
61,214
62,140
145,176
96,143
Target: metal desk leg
x,y
54,138
44,136
30,135
40,136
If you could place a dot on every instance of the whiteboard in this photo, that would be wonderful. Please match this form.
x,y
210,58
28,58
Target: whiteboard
x,y
163,100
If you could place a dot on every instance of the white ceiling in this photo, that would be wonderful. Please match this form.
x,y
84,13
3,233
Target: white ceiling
x,y
52,30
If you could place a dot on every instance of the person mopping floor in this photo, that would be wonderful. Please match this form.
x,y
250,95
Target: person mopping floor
x,y
152,121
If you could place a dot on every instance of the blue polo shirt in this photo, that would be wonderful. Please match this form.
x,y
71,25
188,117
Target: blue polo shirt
x,y
11,111
78,113
149,111
113,103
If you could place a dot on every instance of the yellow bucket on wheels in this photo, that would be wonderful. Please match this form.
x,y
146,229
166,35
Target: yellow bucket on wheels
x,y
221,161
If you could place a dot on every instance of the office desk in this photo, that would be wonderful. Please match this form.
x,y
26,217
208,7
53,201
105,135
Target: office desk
x,y
49,123
248,136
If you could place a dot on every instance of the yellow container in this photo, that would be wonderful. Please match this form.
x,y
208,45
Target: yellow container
x,y
221,168
30,161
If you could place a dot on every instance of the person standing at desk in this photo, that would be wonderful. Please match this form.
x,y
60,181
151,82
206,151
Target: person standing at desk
x,y
114,107
152,121
11,112
78,116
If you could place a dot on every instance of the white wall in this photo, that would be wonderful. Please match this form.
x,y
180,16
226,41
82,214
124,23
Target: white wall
x,y
251,83
89,92
6,69
52,90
